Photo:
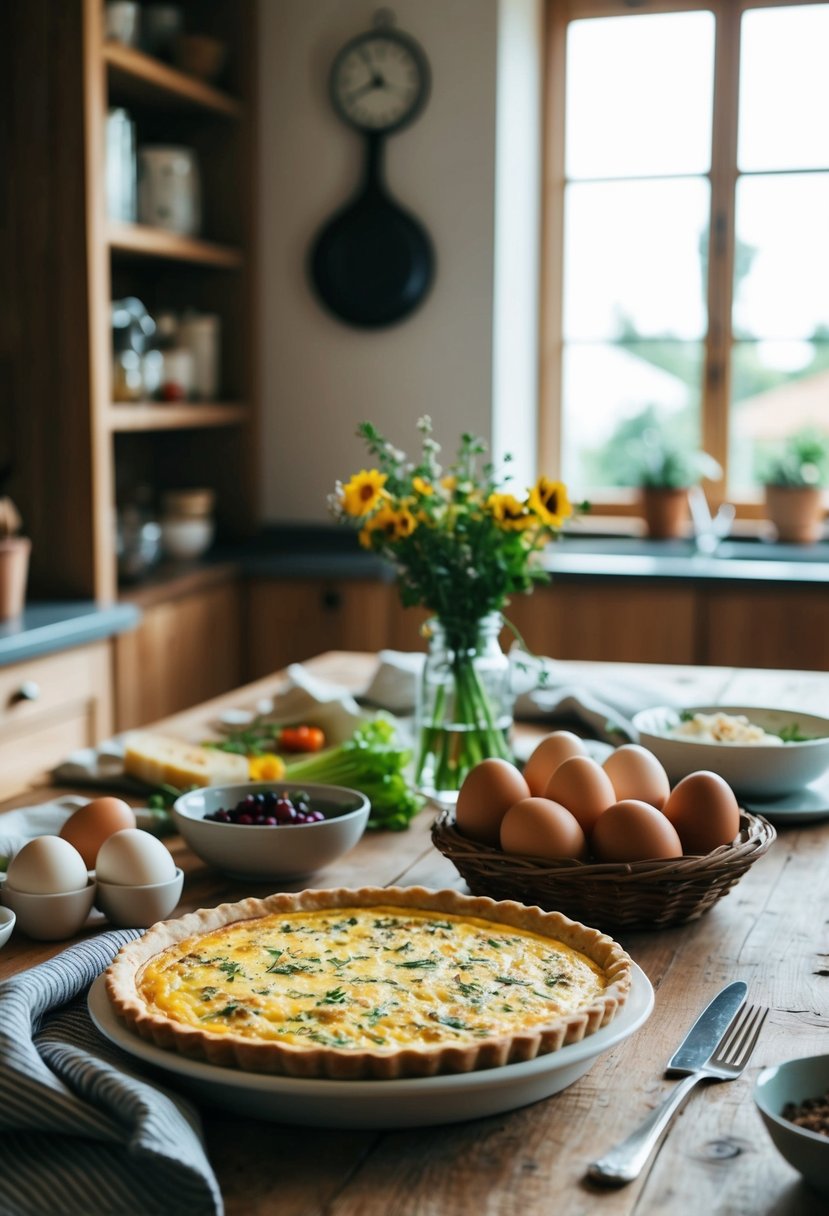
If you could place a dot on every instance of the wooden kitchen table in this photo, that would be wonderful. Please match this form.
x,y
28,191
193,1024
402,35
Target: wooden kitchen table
x,y
772,931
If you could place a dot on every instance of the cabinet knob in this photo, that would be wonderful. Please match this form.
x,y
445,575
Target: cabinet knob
x,y
29,690
332,599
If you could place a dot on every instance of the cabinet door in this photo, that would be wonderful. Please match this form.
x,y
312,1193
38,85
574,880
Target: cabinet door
x,y
48,708
293,619
184,651
784,627
613,623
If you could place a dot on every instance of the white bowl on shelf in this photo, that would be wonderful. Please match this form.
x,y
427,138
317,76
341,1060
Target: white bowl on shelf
x,y
760,770
184,539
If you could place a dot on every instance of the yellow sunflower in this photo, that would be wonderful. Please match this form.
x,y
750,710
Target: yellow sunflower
x,y
511,514
550,502
422,487
394,524
363,492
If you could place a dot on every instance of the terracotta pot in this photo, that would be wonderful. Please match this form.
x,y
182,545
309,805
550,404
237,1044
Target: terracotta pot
x,y
796,512
665,511
14,570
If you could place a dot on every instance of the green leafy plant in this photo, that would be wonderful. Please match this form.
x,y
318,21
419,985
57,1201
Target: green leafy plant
x,y
660,463
803,461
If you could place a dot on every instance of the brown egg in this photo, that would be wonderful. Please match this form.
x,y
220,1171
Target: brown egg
x,y
703,809
488,791
634,831
636,773
541,828
584,788
92,824
552,751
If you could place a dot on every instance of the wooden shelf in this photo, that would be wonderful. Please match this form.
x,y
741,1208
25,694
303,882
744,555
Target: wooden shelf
x,y
136,77
139,240
158,416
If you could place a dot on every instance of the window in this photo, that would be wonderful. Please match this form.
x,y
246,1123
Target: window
x,y
687,236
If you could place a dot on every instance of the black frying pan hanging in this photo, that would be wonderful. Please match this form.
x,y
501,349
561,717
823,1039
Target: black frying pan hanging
x,y
373,263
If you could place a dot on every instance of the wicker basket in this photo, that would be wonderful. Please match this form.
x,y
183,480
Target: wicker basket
x,y
645,894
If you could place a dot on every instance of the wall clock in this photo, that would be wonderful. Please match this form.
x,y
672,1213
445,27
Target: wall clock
x,y
373,263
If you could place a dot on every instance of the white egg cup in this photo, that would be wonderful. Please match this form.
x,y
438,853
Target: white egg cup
x,y
50,918
139,907
7,922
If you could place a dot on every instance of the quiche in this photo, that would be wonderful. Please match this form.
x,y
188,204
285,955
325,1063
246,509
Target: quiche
x,y
368,983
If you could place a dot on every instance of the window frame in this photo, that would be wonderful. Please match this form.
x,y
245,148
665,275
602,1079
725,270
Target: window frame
x,y
722,176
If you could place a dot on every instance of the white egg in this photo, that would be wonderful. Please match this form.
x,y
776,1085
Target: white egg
x,y
47,865
132,858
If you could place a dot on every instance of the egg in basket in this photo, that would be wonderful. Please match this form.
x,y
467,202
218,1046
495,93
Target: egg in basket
x,y
610,844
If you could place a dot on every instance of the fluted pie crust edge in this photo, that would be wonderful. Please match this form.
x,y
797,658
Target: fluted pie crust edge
x,y
266,1056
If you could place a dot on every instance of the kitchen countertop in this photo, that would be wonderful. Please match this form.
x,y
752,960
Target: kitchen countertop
x,y
44,628
306,551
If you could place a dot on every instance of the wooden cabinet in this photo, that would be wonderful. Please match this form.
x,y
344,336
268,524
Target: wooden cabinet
x,y
186,650
74,452
629,622
49,707
760,626
289,620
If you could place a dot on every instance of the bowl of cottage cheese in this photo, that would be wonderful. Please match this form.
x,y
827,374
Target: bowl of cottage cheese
x,y
759,751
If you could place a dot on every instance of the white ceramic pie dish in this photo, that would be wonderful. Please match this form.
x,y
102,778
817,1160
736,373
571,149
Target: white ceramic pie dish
x,y
410,1102
763,771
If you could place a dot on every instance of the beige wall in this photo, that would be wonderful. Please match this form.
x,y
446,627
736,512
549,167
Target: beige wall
x,y
319,377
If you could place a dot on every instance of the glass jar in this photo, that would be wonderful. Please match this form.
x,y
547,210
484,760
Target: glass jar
x,y
121,178
464,706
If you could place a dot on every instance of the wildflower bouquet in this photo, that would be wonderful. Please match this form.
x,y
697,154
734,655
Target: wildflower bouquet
x,y
462,545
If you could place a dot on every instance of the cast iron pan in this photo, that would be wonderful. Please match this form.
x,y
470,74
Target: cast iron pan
x,y
373,263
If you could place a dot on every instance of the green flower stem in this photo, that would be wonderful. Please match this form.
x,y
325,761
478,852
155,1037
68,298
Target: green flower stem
x,y
453,752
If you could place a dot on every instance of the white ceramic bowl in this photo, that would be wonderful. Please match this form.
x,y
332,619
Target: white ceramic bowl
x,y
49,918
7,920
795,1081
186,538
139,907
266,852
759,770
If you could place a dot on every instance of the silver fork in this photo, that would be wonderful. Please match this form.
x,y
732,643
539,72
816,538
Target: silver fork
x,y
727,1061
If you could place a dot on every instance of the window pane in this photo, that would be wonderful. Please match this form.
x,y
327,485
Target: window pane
x,y
639,95
777,389
782,256
634,255
784,88
612,393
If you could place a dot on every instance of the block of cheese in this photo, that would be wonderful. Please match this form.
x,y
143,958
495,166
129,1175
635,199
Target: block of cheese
x,y
160,760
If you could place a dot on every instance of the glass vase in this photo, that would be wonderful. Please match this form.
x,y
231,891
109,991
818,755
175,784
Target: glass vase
x,y
464,706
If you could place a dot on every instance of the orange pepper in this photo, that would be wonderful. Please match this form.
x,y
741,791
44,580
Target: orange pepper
x,y
301,739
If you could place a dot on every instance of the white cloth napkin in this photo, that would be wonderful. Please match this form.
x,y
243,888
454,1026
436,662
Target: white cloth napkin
x,y
83,1133
545,690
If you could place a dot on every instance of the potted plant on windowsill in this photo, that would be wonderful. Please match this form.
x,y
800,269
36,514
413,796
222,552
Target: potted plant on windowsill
x,y
793,482
14,561
665,473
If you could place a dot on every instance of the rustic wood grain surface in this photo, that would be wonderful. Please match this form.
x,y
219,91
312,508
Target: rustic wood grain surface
x,y
772,931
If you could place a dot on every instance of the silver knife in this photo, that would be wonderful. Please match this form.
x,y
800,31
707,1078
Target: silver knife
x,y
626,1161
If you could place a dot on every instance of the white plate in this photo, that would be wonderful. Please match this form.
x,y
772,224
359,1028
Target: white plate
x,y
800,806
417,1102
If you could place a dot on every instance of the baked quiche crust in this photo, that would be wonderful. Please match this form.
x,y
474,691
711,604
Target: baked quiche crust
x,y
377,982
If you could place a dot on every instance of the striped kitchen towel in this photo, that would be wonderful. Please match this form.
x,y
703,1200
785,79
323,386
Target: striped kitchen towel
x,y
81,1132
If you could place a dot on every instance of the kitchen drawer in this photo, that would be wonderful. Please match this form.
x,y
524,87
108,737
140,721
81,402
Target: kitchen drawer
x,y
50,706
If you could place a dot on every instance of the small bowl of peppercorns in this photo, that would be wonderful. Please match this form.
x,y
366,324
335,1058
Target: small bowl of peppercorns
x,y
271,830
793,1101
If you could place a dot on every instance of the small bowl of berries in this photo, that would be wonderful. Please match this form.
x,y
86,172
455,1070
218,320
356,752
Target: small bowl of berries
x,y
271,830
